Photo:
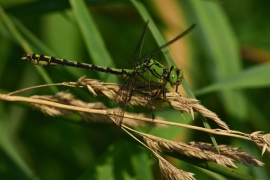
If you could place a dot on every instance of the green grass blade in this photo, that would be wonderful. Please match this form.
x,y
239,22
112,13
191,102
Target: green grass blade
x,y
158,37
254,77
153,28
139,157
41,7
230,173
219,38
35,7
160,41
13,159
36,44
93,40
12,29
6,47
21,40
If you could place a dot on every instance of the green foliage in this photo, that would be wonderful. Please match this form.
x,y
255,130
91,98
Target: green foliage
x,y
235,85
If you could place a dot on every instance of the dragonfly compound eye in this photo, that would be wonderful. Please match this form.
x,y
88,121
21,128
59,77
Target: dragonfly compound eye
x,y
175,76
172,76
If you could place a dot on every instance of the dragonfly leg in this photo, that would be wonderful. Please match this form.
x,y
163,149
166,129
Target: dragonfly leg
x,y
130,94
156,93
176,90
151,97
153,115
164,91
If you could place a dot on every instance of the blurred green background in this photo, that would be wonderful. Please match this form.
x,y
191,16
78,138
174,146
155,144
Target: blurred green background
x,y
225,60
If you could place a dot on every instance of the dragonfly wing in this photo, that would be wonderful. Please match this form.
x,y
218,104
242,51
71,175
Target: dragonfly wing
x,y
124,94
122,99
149,55
135,60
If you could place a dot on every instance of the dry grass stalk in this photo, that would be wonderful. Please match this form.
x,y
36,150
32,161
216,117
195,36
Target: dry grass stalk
x,y
192,105
225,158
138,99
68,99
182,148
110,90
205,151
198,150
261,140
52,107
236,154
168,171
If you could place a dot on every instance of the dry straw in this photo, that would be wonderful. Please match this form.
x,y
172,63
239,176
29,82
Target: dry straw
x,y
64,103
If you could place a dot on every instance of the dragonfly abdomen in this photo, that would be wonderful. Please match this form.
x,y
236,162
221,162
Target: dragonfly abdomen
x,y
43,60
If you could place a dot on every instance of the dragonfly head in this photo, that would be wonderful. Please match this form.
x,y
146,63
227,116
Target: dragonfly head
x,y
175,76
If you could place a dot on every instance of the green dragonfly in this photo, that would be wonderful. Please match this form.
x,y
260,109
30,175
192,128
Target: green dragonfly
x,y
145,72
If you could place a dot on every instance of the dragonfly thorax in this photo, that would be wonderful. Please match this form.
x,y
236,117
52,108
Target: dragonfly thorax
x,y
157,73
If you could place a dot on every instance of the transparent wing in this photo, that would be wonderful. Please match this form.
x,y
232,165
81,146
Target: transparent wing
x,y
136,58
122,99
149,55
124,94
137,80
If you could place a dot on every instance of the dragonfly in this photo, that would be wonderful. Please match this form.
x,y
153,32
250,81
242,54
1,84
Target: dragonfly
x,y
144,72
